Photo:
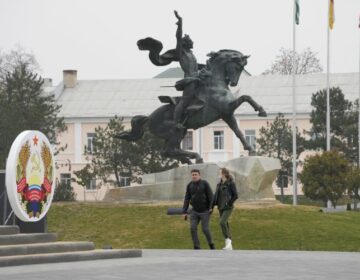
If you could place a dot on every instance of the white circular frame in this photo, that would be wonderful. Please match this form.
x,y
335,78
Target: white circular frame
x,y
11,172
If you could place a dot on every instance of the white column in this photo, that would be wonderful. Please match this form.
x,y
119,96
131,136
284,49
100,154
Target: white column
x,y
78,143
197,140
200,136
236,143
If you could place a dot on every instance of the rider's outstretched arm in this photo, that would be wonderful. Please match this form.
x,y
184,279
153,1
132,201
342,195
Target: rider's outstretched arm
x,y
178,34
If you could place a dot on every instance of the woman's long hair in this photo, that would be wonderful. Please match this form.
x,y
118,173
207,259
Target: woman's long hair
x,y
226,173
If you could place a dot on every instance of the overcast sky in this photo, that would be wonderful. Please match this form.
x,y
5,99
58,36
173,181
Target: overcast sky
x,y
98,37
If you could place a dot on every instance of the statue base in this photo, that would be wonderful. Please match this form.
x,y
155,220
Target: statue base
x,y
253,177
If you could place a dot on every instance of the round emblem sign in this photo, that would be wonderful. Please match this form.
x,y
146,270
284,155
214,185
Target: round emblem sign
x,y
30,176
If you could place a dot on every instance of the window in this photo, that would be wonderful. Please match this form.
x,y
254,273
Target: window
x,y
250,137
282,179
315,136
219,140
65,179
92,186
187,143
90,138
124,181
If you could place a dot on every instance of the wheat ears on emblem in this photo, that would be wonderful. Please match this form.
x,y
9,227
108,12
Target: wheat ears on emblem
x,y
24,156
47,159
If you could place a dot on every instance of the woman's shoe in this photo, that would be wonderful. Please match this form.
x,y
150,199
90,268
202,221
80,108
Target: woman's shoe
x,y
228,244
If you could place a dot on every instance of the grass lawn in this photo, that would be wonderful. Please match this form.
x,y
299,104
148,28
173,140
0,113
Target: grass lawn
x,y
301,200
148,226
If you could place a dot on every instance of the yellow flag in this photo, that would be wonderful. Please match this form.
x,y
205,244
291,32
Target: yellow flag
x,y
331,14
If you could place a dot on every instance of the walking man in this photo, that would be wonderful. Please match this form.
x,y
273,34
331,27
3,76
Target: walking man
x,y
200,196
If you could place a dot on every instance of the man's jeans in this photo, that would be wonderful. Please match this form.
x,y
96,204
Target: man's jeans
x,y
195,218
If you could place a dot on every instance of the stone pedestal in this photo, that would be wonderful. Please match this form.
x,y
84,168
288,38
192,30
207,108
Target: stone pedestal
x,y
253,177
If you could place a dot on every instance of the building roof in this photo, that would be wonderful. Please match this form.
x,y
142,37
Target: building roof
x,y
175,72
106,98
274,92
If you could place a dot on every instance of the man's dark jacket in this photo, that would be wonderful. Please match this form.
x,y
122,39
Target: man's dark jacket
x,y
199,195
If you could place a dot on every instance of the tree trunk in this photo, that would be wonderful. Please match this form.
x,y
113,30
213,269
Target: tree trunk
x,y
117,177
355,203
334,204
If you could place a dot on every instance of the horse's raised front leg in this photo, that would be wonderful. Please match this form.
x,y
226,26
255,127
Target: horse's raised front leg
x,y
246,98
231,122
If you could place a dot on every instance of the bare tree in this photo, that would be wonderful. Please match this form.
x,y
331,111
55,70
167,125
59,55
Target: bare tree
x,y
305,62
15,57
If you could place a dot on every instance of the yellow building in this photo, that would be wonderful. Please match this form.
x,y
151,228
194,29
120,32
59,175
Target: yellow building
x,y
87,104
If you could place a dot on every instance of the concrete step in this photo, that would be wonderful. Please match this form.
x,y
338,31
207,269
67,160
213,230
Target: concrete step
x,y
27,238
68,257
45,248
6,230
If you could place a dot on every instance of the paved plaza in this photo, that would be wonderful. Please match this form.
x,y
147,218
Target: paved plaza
x,y
205,264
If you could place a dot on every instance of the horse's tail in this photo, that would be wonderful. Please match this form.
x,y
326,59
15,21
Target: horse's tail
x,y
137,129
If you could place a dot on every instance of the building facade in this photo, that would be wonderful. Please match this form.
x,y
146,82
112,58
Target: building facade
x,y
87,104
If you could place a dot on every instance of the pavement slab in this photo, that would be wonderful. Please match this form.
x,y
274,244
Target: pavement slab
x,y
201,264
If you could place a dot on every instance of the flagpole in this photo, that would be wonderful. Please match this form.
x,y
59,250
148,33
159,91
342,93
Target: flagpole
x,y
328,82
294,169
359,101
329,204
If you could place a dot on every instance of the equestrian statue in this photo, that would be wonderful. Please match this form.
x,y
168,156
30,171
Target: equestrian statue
x,y
206,96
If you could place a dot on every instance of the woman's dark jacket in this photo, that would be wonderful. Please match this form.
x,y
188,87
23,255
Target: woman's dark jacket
x,y
231,196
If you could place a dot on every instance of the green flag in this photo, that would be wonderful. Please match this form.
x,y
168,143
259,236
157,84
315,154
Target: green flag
x,y
297,12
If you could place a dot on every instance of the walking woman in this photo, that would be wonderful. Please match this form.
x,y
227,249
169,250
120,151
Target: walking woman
x,y
224,198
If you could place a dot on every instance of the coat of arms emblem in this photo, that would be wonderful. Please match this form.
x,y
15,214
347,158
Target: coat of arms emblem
x,y
30,175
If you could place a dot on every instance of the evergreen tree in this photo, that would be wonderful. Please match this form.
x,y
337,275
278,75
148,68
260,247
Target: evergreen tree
x,y
112,157
338,118
152,161
351,134
324,177
84,176
25,106
275,140
64,192
343,124
353,185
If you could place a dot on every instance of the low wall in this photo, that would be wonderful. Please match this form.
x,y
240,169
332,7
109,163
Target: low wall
x,y
253,177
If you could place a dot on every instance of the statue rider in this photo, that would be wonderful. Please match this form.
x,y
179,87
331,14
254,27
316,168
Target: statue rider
x,y
189,65
188,85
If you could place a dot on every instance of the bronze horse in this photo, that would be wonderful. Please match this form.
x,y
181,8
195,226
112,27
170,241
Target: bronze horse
x,y
214,101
